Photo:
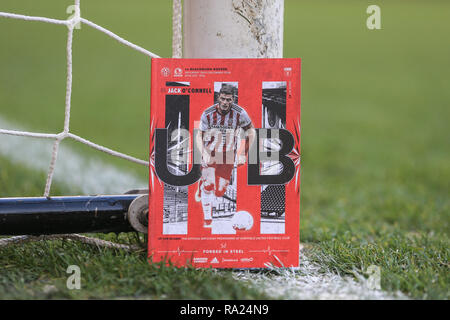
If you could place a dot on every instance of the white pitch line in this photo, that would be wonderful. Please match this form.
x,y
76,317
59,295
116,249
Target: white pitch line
x,y
310,282
89,175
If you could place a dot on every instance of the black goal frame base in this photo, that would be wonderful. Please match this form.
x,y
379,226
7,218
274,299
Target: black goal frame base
x,y
61,215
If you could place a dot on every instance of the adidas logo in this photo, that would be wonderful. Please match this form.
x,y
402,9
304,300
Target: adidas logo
x,y
214,260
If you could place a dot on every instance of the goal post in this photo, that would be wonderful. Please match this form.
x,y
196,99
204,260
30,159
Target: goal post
x,y
233,28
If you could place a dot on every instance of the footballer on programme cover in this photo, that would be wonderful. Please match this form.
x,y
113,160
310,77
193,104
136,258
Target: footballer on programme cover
x,y
225,162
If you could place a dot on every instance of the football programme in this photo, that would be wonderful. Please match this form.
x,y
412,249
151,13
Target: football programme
x,y
225,162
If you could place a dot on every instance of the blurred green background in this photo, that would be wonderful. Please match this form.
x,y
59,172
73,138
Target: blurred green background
x,y
375,105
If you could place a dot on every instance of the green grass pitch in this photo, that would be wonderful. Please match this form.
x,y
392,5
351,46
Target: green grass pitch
x,y
375,141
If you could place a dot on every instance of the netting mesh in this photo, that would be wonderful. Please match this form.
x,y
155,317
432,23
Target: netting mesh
x,y
71,24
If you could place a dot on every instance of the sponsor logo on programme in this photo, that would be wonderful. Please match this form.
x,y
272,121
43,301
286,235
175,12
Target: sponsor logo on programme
x,y
288,71
178,72
246,259
229,260
165,72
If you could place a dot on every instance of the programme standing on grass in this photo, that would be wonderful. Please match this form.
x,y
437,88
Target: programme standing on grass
x,y
218,138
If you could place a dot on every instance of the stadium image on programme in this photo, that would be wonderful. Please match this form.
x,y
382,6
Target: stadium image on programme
x,y
75,162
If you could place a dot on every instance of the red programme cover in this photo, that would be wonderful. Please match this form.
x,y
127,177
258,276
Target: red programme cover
x,y
224,187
